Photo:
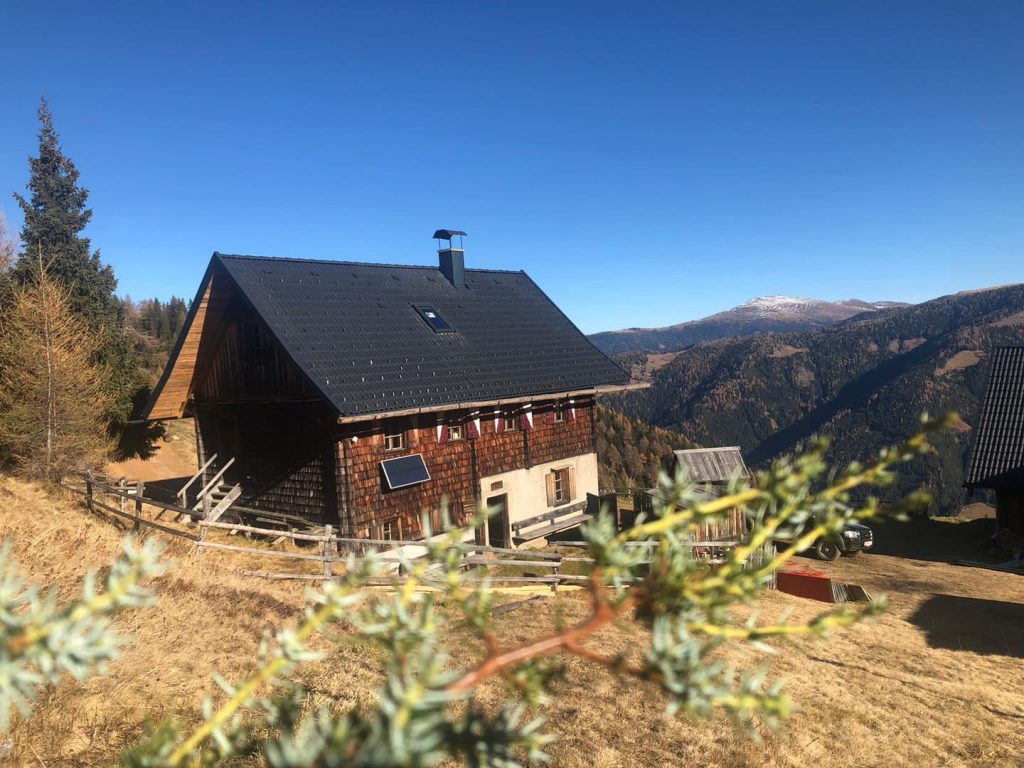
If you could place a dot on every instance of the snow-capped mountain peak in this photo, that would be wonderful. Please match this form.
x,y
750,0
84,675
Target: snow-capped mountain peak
x,y
780,303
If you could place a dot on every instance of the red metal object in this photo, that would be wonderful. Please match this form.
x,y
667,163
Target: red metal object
x,y
803,581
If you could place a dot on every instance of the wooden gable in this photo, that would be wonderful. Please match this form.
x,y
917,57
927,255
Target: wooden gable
x,y
210,359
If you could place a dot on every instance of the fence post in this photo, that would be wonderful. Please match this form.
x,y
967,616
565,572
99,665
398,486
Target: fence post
x,y
328,550
139,487
200,538
88,490
122,500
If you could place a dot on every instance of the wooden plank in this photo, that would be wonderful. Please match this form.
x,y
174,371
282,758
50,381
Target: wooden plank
x,y
540,533
213,482
512,563
509,607
223,504
183,493
260,552
722,544
176,383
114,491
277,533
553,514
328,550
275,575
144,521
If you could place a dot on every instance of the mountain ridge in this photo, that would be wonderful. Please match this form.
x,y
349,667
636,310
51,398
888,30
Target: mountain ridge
x,y
762,314
865,380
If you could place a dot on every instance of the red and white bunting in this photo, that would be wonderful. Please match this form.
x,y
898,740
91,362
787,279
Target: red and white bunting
x,y
526,418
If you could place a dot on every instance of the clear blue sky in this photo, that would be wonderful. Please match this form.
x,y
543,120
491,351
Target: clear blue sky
x,y
646,163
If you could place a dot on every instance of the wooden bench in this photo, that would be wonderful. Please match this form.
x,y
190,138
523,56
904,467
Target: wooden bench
x,y
560,519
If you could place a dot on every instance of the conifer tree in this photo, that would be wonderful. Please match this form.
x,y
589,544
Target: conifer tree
x,y
56,214
53,394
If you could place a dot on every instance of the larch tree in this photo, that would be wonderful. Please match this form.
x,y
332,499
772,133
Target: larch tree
x,y
53,393
56,215
6,245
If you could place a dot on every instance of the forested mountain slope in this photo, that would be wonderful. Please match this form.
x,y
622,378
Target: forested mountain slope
x,y
865,381
630,451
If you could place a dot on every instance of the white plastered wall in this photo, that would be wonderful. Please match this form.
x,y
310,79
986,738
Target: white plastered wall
x,y
527,491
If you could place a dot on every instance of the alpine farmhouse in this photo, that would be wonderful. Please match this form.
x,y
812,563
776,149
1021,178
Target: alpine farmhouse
x,y
367,395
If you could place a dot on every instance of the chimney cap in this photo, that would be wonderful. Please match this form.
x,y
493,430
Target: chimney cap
x,y
448,234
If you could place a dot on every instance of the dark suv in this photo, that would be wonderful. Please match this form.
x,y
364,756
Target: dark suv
x,y
855,537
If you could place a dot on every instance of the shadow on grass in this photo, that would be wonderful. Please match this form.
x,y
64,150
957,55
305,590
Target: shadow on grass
x,y
937,541
990,627
167,488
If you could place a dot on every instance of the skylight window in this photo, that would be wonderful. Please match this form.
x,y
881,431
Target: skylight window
x,y
434,320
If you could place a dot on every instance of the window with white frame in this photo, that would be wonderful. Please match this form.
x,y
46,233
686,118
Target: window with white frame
x,y
391,530
456,432
394,441
560,486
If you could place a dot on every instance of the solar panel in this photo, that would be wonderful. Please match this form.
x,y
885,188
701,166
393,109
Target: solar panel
x,y
434,320
405,471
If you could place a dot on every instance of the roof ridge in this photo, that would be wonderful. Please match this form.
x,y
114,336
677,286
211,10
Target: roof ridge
x,y
345,263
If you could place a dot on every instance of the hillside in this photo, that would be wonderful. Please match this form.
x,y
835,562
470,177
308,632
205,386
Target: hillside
x,y
765,314
631,451
877,694
866,381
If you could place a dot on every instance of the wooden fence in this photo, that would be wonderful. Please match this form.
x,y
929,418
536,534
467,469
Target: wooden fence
x,y
324,547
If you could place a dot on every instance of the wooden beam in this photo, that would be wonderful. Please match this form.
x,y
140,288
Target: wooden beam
x,y
477,404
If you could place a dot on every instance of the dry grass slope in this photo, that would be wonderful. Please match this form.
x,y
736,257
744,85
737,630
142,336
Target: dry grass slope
x,y
936,682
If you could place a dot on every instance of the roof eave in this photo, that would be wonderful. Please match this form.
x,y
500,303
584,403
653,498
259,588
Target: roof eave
x,y
477,404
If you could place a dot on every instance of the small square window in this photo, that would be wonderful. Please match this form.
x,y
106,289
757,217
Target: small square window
x,y
511,422
391,530
394,441
434,320
559,415
456,432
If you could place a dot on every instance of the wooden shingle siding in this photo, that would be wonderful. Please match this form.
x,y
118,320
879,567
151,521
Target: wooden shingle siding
x,y
449,465
455,466
551,442
250,365
284,455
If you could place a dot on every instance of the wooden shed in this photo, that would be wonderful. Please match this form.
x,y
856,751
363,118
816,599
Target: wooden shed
x,y
713,468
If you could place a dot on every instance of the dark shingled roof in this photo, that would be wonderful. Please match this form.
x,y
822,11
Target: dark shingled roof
x,y
356,333
998,455
712,465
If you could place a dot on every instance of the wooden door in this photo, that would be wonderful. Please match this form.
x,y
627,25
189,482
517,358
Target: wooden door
x,y
498,533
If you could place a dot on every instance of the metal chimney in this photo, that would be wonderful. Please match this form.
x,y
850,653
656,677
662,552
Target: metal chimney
x,y
451,260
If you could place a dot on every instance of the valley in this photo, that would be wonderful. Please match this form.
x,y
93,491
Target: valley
x,y
864,380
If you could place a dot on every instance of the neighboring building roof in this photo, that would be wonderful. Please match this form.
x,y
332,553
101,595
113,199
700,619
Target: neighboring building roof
x,y
997,458
712,465
364,334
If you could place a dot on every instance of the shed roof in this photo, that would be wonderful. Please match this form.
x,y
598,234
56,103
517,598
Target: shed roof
x,y
712,465
997,458
359,332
